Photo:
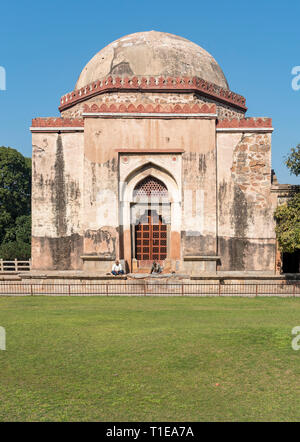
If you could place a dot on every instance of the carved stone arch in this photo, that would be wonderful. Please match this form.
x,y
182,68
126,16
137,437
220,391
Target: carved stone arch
x,y
127,203
149,169
148,165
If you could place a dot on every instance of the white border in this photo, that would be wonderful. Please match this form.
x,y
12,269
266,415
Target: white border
x,y
245,129
149,114
56,129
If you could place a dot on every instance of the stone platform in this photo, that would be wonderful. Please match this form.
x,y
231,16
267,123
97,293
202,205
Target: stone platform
x,y
70,283
81,276
69,275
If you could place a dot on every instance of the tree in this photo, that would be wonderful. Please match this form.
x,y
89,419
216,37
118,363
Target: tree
x,y
288,224
15,204
287,215
17,240
293,160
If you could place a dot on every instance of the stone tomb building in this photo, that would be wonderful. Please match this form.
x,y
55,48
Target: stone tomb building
x,y
153,158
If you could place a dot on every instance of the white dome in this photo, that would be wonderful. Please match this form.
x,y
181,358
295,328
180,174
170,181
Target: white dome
x,y
152,54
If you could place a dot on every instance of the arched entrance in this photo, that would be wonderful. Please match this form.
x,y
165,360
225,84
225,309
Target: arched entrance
x,y
143,188
150,227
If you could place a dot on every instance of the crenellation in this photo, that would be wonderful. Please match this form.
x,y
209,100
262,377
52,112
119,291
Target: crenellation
x,y
142,84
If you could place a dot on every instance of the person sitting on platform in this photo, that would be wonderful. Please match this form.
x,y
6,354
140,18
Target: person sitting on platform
x,y
117,269
156,268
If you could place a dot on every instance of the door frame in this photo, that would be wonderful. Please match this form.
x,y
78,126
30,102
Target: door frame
x,y
126,201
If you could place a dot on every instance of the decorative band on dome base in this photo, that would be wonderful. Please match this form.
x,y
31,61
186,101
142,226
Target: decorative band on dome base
x,y
150,84
149,108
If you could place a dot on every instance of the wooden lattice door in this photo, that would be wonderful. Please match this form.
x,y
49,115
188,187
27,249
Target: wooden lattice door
x,y
151,231
151,238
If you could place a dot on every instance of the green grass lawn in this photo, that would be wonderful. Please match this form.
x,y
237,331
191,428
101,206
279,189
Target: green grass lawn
x,y
149,359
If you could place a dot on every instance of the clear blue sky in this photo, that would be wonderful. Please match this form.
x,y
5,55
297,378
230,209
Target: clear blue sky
x,y
45,44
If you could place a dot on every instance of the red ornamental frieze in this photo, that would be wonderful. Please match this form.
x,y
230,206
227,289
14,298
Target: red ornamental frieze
x,y
149,108
104,108
162,84
57,122
245,122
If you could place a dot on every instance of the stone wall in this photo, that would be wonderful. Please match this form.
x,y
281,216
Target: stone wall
x,y
246,233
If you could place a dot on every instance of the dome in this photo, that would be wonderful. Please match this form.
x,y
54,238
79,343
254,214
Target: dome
x,y
152,54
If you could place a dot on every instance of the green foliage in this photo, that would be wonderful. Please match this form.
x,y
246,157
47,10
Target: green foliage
x,y
288,215
288,224
17,240
293,160
13,249
15,204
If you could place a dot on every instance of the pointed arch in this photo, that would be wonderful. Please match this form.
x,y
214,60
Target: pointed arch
x,y
147,170
149,164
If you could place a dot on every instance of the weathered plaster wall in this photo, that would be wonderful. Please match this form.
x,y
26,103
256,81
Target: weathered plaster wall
x,y
198,234
56,200
100,201
195,136
245,204
75,198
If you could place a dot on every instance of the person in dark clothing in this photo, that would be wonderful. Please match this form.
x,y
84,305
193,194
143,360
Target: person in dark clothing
x,y
156,268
